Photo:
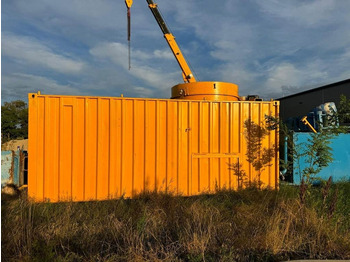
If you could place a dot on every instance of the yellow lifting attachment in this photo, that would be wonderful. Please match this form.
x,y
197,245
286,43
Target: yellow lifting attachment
x,y
307,123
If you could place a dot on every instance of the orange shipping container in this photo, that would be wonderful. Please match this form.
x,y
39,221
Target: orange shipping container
x,y
94,148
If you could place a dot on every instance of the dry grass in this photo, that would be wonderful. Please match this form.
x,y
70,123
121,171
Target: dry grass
x,y
248,225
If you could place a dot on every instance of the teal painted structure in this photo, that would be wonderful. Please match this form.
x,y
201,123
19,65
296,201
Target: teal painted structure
x,y
339,169
10,167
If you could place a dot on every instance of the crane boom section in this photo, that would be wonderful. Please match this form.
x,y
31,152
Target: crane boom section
x,y
186,71
128,3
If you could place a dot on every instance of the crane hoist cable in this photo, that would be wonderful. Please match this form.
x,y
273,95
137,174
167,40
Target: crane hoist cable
x,y
128,5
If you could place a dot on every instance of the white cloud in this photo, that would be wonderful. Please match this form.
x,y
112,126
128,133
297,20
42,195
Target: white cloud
x,y
17,86
142,91
141,64
34,53
283,75
306,13
163,54
245,79
91,14
116,52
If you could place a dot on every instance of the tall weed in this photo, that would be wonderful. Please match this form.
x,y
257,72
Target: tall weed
x,y
243,225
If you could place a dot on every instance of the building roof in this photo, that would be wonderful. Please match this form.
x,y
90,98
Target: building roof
x,y
317,89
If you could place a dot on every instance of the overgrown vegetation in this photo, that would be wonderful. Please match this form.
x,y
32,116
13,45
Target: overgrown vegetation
x,y
247,225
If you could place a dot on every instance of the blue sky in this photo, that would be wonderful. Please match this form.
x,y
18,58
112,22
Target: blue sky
x,y
271,48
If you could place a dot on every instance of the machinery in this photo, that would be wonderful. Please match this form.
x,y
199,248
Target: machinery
x,y
319,117
190,89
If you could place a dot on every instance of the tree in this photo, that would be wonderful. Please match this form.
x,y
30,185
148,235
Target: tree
x,y
317,154
344,110
14,120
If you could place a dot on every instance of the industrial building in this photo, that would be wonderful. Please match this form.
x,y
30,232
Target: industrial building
x,y
301,103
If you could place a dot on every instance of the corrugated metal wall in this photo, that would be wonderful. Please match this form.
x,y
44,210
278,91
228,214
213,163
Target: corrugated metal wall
x,y
88,148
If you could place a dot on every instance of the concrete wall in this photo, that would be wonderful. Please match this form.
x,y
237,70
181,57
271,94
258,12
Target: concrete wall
x,y
300,104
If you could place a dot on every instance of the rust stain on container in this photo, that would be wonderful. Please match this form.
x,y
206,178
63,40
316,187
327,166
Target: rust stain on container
x,y
95,148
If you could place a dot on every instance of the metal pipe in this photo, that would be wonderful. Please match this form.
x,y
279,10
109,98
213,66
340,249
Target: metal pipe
x,y
284,170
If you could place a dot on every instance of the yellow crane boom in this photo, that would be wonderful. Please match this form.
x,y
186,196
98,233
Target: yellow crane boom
x,y
190,89
169,37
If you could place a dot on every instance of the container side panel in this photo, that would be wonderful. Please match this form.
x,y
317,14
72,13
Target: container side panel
x,y
139,146
275,170
162,146
32,145
40,178
267,147
182,148
66,149
224,143
128,147
204,175
115,148
189,149
264,156
255,140
194,136
215,146
91,148
237,136
47,137
232,177
52,109
103,149
150,145
172,147
245,166
78,179
236,128
119,146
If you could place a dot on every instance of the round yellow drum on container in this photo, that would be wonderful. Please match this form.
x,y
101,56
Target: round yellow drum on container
x,y
212,91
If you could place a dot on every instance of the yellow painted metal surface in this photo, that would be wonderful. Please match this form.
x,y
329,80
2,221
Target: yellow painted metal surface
x,y
94,148
128,3
187,75
210,91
